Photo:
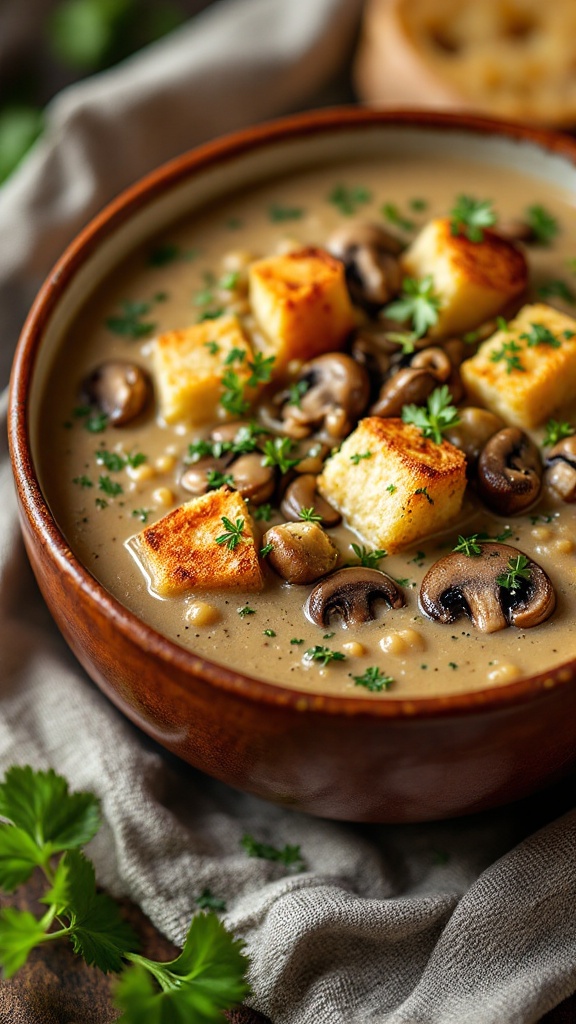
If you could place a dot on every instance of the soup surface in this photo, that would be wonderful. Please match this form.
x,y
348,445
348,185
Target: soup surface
x,y
104,483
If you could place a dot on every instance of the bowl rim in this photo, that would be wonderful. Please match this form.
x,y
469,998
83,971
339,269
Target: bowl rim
x,y
35,508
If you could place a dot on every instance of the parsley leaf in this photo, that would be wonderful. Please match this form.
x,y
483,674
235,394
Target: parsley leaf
x,y
290,856
110,487
232,398
310,515
208,977
40,804
277,453
233,535
540,335
544,226
129,322
20,932
556,431
324,655
96,929
278,213
418,303
392,214
215,479
347,200
468,545
208,901
436,417
470,216
261,369
517,570
360,455
369,559
373,679
19,855
557,289
508,353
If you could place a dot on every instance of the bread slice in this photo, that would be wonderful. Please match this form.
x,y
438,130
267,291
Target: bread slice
x,y
474,280
525,395
406,488
510,59
301,304
180,552
189,366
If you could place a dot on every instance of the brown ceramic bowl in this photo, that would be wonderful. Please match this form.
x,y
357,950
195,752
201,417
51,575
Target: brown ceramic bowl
x,y
354,758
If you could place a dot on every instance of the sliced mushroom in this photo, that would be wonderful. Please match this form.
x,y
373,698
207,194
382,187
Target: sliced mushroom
x,y
119,389
302,493
509,472
254,481
513,229
195,477
232,431
301,552
475,427
338,393
561,468
351,595
369,254
462,585
413,384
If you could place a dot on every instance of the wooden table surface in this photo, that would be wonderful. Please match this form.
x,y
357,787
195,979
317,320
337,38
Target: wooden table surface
x,y
56,987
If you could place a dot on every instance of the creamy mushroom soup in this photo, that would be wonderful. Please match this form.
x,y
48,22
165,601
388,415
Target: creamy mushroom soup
x,y
112,466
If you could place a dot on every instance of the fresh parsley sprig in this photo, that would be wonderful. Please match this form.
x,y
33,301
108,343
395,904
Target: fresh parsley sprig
x,y
509,354
373,679
436,417
369,559
233,534
517,571
45,825
470,216
324,655
556,431
278,452
310,515
468,545
543,224
418,303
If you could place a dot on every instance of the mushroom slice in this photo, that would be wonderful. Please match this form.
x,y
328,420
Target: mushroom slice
x,y
351,594
119,389
338,393
561,468
414,383
509,472
475,427
370,257
302,493
462,585
254,480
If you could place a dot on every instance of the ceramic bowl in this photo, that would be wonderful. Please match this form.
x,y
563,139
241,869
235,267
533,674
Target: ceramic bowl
x,y
353,758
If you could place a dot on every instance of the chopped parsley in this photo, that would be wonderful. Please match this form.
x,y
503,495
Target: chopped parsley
x,y
542,223
470,216
246,610
391,488
369,559
360,455
97,423
263,512
233,533
392,214
213,347
296,392
161,255
468,545
556,431
418,205
289,856
517,571
111,460
540,335
310,515
232,398
278,213
347,199
557,290
110,487
424,491
210,314
141,514
434,419
228,282
265,551
129,323
373,679
261,369
101,503
82,481
277,453
324,655
296,641
235,355
418,303
216,479
508,353
269,632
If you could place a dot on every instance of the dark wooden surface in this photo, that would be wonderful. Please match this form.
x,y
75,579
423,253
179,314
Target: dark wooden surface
x,y
56,987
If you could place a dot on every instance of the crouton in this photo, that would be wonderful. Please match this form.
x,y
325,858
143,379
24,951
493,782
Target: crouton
x,y
474,280
527,371
181,551
401,487
189,366
301,304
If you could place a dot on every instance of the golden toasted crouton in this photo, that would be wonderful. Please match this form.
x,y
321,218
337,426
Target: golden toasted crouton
x,y
474,280
301,304
408,486
525,372
181,551
189,366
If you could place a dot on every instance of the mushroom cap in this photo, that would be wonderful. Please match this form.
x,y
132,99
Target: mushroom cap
x,y
301,552
475,427
337,395
460,584
120,389
369,254
302,493
252,479
509,472
561,468
351,594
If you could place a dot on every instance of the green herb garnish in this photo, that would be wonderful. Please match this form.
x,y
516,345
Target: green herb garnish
x,y
418,205
235,355
324,655
373,679
216,479
468,545
111,460
418,303
278,213
213,347
347,200
436,417
110,487
97,423
392,214
208,901
310,515
246,610
557,289
470,216
277,453
129,323
391,488
369,559
289,856
269,632
161,255
544,226
265,551
141,514
517,570
263,512
261,369
233,535
556,431
540,335
82,481
210,314
360,455
508,353
232,398
296,392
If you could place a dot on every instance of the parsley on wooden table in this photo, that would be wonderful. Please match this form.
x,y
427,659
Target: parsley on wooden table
x,y
418,303
43,829
436,417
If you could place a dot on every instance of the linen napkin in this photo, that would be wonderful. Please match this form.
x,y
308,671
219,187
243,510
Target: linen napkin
x,y
466,922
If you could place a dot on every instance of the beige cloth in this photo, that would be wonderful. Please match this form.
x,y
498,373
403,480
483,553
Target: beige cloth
x,y
468,922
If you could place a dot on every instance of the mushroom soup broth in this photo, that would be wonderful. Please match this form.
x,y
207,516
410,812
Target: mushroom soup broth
x,y
106,483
